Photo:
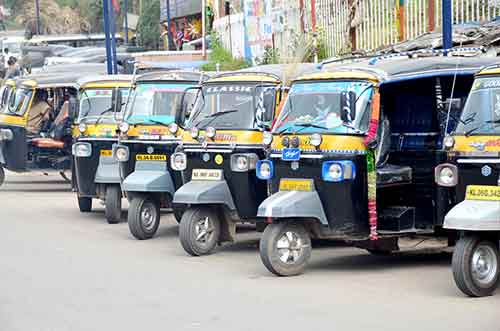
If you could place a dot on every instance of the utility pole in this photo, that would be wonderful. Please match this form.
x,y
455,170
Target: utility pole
x,y
169,31
447,25
125,21
112,23
38,22
109,56
203,29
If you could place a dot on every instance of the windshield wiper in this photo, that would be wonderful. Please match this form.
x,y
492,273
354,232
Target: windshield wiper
x,y
212,117
468,133
157,122
109,110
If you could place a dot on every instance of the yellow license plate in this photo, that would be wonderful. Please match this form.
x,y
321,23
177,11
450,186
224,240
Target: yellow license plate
x,y
150,157
480,192
106,152
296,185
206,174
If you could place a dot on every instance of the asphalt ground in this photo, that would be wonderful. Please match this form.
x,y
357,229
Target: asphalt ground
x,y
63,270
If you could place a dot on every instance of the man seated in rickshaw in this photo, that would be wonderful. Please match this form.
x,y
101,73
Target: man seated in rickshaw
x,y
40,113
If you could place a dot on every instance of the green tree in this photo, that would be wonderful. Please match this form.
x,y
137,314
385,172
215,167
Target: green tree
x,y
149,24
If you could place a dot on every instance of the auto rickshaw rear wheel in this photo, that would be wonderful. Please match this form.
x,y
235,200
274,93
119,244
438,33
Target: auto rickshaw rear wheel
x,y
113,204
285,248
2,176
476,266
85,204
143,217
199,230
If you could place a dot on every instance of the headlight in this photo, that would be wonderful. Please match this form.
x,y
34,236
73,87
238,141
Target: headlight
x,y
446,175
285,141
337,171
265,169
82,149
178,161
121,153
448,142
267,138
210,131
194,132
123,127
172,127
6,134
243,162
316,140
295,142
82,127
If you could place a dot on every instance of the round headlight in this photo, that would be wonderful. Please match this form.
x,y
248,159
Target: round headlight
x,y
316,140
123,127
285,141
172,127
179,161
267,138
446,176
335,171
448,142
121,154
194,132
295,142
265,170
82,127
210,131
242,163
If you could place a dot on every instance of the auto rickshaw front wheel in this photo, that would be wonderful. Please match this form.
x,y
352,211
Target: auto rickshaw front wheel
x,y
85,204
2,176
476,264
113,204
143,217
199,230
285,248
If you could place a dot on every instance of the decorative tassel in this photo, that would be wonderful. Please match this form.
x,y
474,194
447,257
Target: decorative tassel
x,y
372,194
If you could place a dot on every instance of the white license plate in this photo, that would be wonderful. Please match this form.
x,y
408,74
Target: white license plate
x,y
206,174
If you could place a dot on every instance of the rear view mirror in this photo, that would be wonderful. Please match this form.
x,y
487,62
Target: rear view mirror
x,y
73,108
265,102
348,106
185,107
117,100
453,104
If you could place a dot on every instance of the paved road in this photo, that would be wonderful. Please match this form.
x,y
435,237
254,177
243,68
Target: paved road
x,y
62,270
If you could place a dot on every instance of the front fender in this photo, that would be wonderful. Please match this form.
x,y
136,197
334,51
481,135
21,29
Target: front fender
x,y
149,176
205,192
293,204
474,215
108,171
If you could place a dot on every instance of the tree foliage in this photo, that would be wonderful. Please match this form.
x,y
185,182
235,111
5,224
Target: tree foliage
x,y
149,24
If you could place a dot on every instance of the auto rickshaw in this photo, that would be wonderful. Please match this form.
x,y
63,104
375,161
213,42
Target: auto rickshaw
x,y
472,174
219,152
96,172
352,156
149,136
35,125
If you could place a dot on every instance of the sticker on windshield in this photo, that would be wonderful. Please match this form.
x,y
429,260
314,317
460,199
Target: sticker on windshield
x,y
228,89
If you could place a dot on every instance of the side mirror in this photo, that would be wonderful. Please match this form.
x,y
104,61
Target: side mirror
x,y
73,108
183,111
265,103
348,106
117,100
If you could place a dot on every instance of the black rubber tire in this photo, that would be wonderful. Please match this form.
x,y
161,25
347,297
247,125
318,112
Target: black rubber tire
x,y
379,252
2,176
187,231
113,204
85,204
461,265
269,251
138,229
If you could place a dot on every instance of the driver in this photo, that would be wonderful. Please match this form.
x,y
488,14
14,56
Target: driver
x,y
321,109
39,113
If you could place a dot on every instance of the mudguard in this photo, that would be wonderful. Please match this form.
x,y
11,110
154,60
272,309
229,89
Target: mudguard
x,y
205,192
474,215
108,171
293,204
149,176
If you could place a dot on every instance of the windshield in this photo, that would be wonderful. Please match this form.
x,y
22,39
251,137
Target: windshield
x,y
155,102
481,114
5,92
97,103
313,107
232,106
19,101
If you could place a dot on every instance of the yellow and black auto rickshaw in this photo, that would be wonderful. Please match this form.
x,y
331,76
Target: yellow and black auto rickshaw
x,y
352,156
472,176
35,125
149,137
219,152
95,132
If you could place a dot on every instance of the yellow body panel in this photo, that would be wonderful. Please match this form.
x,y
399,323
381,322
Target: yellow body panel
x,y
148,130
227,137
99,130
476,144
339,75
12,120
330,142
108,85
489,71
243,79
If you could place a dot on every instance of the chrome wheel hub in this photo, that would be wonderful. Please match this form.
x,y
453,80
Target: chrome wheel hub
x,y
290,247
148,216
204,230
484,265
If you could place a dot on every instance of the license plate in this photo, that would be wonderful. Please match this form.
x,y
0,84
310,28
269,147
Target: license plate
x,y
480,192
206,174
290,154
296,185
106,152
150,157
